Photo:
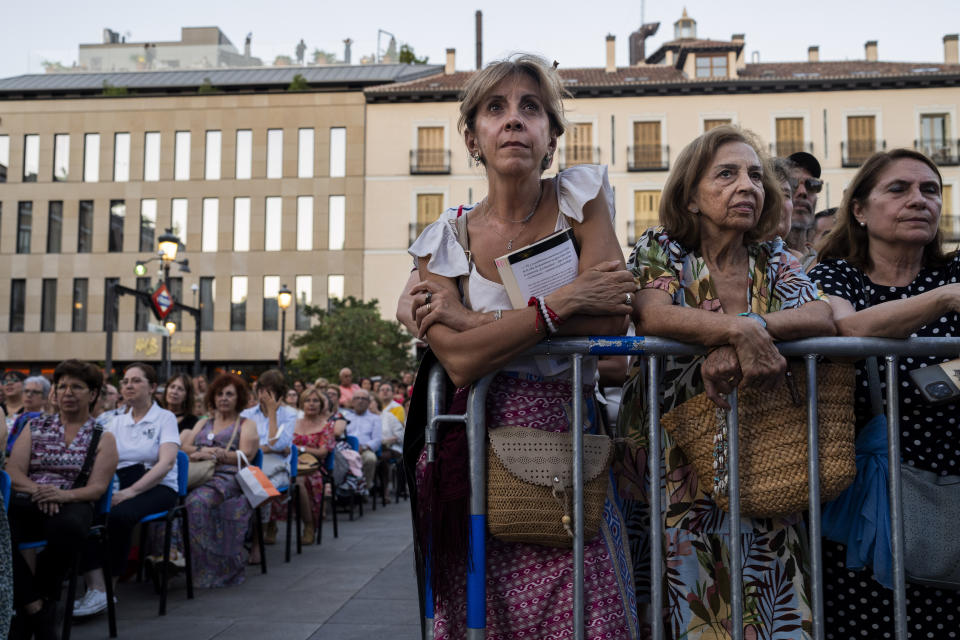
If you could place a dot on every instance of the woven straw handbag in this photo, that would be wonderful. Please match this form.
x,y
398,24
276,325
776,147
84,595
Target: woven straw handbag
x,y
773,441
530,485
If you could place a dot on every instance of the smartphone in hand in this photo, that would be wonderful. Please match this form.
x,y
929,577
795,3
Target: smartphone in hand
x,y
938,383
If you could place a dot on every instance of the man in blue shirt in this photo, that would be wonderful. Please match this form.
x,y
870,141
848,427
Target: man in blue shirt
x,y
275,423
366,427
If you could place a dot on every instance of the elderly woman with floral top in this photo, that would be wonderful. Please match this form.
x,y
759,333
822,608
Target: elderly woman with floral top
x,y
705,276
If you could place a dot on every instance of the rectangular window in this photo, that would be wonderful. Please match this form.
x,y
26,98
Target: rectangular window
x,y
211,164
85,226
579,146
714,123
949,220
24,226
241,224
647,152
646,211
211,224
54,226
148,224
304,223
338,152
91,157
110,314
789,136
337,206
305,153
121,157
118,211
4,157
244,154
238,303
18,300
48,305
861,139
142,315
272,227
151,156
31,157
178,218
78,321
208,292
61,157
431,156
176,292
181,155
304,298
429,208
935,138
335,284
271,286
274,153
711,66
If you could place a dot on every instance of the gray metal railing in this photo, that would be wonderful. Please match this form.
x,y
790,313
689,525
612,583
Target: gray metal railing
x,y
651,349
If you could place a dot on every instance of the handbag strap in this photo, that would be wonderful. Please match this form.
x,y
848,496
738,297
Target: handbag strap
x,y
873,366
84,475
463,238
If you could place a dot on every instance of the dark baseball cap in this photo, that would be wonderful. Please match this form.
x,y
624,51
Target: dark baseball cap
x,y
807,161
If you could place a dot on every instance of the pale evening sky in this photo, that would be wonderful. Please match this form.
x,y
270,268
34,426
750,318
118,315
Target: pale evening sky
x,y
568,31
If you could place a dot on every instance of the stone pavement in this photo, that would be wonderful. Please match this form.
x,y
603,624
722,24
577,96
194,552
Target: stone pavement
x,y
359,586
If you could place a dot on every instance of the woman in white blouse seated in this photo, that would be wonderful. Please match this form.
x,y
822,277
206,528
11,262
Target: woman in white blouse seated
x,y
147,443
511,117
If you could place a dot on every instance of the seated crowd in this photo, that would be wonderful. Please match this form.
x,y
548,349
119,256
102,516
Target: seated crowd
x,y
66,443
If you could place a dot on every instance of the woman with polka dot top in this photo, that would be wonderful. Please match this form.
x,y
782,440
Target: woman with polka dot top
x,y
885,274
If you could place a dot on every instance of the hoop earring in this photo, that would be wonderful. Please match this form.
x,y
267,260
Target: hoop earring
x,y
476,158
547,161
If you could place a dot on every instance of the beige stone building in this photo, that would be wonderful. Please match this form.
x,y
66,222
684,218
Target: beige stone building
x,y
636,119
263,186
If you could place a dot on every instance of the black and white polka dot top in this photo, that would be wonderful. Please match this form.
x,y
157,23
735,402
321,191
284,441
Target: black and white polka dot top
x,y
929,434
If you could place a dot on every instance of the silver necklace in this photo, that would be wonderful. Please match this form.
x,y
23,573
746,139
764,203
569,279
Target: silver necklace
x,y
523,221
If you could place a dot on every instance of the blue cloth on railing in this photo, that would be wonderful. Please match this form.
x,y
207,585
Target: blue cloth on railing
x,y
860,516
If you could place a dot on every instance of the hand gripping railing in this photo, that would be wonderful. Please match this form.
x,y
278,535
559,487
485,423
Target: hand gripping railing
x,y
651,349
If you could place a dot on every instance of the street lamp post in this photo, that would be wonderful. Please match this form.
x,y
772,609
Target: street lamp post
x,y
284,298
168,245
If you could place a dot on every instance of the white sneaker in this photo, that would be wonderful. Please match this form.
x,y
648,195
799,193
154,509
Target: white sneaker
x,y
82,601
94,601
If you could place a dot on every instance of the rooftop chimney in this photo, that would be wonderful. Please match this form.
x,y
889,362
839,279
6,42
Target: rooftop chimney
x,y
611,53
346,50
741,39
813,53
951,55
738,37
479,17
871,50
451,67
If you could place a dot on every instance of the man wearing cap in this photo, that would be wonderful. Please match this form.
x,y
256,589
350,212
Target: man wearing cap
x,y
806,177
13,393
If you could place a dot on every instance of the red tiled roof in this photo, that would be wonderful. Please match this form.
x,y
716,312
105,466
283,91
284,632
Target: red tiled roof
x,y
844,69
684,45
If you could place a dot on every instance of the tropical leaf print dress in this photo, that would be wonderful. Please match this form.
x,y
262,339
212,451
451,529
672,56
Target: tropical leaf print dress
x,y
697,539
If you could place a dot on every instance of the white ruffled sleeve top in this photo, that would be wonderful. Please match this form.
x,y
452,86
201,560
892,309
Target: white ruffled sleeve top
x,y
575,187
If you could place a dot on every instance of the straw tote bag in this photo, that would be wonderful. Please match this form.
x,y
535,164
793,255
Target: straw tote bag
x,y
530,485
773,441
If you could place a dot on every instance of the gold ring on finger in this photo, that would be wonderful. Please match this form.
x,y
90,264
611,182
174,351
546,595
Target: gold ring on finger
x,y
428,305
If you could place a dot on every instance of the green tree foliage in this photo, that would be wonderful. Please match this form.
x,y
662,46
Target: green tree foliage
x,y
110,90
407,56
299,83
324,57
351,334
282,61
207,87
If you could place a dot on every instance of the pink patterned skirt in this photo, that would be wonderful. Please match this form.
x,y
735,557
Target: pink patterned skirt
x,y
530,587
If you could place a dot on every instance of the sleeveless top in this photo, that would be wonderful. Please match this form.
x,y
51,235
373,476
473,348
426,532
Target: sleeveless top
x,y
575,187
207,438
51,460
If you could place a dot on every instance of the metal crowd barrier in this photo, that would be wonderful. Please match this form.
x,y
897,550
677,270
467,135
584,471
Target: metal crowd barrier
x,y
651,349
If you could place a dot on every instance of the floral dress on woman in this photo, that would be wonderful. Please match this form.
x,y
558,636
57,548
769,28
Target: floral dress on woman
x,y
323,439
697,536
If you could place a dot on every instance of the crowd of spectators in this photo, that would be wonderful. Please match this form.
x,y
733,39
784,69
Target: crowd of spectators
x,y
64,442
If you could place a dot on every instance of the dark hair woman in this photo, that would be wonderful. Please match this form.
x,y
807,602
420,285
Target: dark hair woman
x,y
885,272
511,116
178,399
60,465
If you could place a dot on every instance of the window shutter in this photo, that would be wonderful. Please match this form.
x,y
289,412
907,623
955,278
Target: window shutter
x,y
861,137
580,143
713,124
429,208
430,148
646,144
646,210
949,221
789,136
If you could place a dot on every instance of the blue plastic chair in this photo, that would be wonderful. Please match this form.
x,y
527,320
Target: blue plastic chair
x,y
99,530
178,511
326,472
5,488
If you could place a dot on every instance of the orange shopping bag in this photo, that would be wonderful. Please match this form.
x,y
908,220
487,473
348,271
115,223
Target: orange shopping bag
x,y
254,482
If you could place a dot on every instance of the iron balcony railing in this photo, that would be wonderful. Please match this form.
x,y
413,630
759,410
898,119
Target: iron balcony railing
x,y
648,157
572,155
853,153
429,161
650,349
786,148
943,152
